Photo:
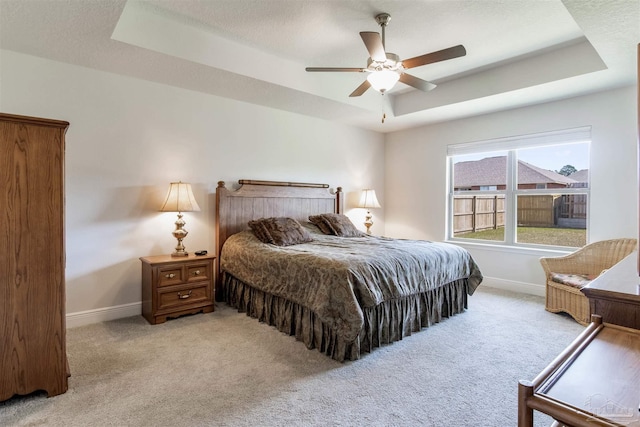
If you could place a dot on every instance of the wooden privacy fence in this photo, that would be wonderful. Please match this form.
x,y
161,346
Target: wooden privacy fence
x,y
476,213
538,211
572,212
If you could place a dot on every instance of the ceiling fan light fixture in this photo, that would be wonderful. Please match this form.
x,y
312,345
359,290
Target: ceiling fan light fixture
x,y
383,80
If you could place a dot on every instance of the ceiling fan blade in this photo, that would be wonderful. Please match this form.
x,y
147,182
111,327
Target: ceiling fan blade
x,y
430,58
410,80
336,69
374,45
361,89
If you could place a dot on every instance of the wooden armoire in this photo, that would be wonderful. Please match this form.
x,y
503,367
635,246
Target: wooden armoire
x,y
32,256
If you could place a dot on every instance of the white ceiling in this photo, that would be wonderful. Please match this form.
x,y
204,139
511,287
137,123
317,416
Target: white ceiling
x,y
519,52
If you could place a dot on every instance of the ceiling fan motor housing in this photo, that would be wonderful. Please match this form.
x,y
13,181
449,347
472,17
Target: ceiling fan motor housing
x,y
392,63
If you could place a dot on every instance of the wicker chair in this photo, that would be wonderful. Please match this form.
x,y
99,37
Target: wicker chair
x,y
566,275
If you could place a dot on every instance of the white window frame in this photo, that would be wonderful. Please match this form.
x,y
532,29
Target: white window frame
x,y
511,193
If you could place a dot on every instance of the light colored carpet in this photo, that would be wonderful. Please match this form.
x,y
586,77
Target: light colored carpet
x,y
226,369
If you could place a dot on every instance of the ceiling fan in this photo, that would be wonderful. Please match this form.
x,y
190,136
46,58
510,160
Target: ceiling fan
x,y
385,68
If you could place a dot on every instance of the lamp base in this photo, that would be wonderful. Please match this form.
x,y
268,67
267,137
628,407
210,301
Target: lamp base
x,y
368,222
180,233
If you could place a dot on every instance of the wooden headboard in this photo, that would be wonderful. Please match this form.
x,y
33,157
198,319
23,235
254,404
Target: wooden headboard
x,y
262,199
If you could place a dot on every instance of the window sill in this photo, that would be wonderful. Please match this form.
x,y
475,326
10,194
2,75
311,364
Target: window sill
x,y
520,249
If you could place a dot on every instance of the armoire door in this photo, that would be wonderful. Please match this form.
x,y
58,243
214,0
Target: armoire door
x,y
32,256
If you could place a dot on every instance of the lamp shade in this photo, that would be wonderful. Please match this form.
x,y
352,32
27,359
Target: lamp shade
x,y
383,80
180,199
368,199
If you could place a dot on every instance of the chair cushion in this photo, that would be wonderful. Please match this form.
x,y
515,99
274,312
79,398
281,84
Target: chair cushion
x,y
577,281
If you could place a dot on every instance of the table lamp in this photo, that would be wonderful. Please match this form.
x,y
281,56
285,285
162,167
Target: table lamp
x,y
368,200
180,199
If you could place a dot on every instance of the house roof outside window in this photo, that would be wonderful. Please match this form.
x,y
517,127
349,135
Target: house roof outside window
x,y
491,171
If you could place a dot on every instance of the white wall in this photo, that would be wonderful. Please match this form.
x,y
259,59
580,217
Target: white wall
x,y
415,176
129,138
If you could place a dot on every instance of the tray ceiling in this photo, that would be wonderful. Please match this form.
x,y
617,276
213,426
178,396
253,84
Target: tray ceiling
x,y
518,52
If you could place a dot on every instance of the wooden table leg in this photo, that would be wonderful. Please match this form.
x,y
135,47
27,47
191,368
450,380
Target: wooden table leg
x,y
525,414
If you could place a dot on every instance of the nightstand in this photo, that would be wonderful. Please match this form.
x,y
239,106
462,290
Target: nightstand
x,y
174,286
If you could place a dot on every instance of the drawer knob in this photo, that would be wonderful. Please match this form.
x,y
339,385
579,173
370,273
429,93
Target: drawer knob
x,y
197,272
170,275
184,296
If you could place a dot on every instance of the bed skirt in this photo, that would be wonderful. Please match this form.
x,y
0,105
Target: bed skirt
x,y
383,324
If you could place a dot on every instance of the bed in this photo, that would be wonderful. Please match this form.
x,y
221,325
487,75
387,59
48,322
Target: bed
x,y
342,294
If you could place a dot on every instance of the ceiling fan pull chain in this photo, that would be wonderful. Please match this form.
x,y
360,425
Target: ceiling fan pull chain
x,y
384,116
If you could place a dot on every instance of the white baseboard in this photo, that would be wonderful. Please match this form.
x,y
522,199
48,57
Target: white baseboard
x,y
104,314
512,285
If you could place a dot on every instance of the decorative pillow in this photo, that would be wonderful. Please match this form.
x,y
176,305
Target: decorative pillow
x,y
280,231
337,224
575,280
320,222
261,231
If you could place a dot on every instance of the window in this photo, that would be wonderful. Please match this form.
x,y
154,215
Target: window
x,y
529,190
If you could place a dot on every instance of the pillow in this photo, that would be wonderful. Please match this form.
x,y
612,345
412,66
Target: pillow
x,y
337,224
280,231
321,223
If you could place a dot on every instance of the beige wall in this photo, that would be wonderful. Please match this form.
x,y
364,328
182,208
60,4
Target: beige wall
x,y
415,176
129,138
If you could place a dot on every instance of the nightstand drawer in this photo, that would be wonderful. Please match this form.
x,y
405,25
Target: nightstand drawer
x,y
198,271
170,275
183,295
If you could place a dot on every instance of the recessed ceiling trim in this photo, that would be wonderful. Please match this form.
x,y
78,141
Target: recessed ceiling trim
x,y
142,26
533,70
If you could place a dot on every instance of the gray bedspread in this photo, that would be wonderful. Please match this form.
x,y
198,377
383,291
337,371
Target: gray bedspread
x,y
336,277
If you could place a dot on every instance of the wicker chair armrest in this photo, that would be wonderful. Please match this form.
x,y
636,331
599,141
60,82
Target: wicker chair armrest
x,y
590,259
573,263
